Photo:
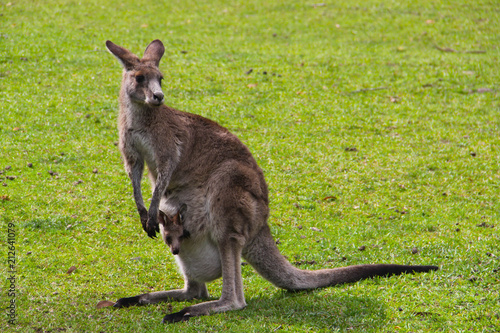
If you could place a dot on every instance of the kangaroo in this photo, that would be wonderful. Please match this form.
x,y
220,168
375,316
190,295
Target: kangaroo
x,y
194,161
172,230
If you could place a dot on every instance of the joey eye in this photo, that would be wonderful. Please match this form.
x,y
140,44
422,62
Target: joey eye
x,y
161,80
140,78
169,240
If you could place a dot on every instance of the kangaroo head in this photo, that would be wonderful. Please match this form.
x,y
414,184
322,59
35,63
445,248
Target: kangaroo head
x,y
141,77
173,231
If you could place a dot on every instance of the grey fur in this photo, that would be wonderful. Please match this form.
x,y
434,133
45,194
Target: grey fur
x,y
194,161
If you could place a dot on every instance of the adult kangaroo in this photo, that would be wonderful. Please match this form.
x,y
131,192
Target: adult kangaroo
x,y
194,161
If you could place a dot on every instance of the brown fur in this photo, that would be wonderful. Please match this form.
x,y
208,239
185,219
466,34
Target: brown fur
x,y
194,161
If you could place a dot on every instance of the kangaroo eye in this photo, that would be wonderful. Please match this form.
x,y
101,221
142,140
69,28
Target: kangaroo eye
x,y
169,240
161,80
140,78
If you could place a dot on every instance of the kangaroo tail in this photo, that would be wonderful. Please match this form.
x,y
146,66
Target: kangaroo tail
x,y
263,254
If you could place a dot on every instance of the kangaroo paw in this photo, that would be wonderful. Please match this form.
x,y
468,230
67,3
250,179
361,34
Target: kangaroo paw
x,y
152,228
176,317
127,301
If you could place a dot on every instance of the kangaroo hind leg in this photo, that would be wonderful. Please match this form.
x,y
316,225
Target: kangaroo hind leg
x,y
192,290
232,297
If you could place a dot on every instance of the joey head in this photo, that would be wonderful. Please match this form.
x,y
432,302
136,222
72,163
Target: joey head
x,y
172,230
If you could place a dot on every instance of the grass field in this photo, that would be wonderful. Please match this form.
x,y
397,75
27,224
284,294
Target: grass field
x,y
376,124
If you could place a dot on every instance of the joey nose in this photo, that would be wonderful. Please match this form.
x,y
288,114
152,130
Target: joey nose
x,y
158,96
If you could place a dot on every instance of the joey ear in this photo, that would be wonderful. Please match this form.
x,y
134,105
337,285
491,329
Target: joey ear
x,y
183,208
182,211
177,219
154,52
126,58
162,217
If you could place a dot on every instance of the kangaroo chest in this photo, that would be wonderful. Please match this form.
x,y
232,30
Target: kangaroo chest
x,y
140,144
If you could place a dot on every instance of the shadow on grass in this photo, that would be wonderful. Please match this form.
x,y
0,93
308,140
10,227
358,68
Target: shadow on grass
x,y
311,310
281,312
48,224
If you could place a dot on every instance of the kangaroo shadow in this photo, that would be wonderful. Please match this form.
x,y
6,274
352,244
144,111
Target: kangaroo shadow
x,y
311,310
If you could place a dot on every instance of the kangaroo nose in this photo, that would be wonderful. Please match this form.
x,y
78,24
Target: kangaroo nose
x,y
158,96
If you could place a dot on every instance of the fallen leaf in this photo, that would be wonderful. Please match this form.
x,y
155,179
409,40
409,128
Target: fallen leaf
x,y
305,262
252,85
446,49
316,229
424,313
430,22
483,90
103,304
71,270
485,225
476,51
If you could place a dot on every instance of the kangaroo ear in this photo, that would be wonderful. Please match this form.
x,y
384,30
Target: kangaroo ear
x,y
126,58
154,52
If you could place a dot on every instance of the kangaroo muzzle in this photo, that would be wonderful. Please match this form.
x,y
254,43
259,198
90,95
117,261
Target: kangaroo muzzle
x,y
155,95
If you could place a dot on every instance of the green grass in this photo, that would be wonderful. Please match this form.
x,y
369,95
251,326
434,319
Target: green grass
x,y
364,126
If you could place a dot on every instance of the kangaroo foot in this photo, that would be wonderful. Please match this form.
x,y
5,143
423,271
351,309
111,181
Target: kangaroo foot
x,y
127,301
176,317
